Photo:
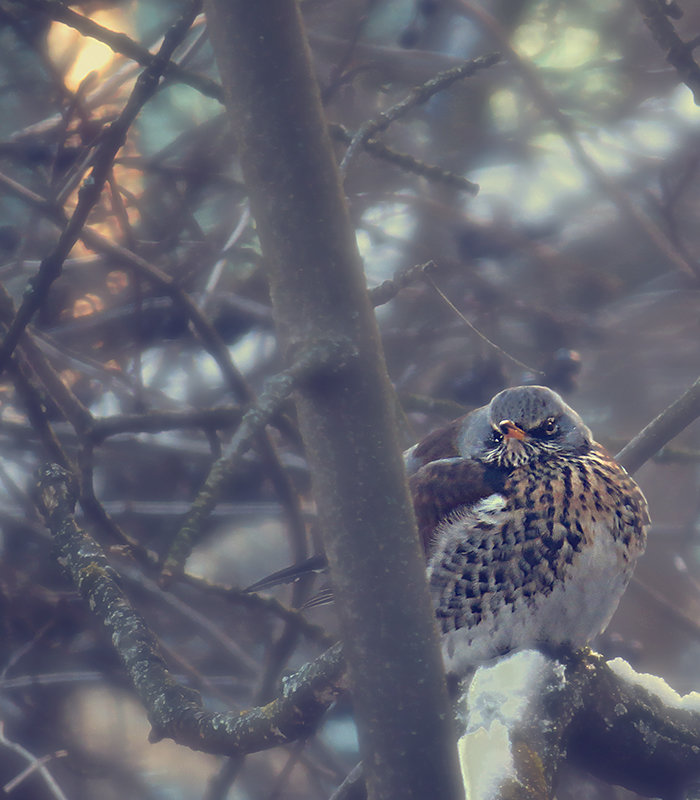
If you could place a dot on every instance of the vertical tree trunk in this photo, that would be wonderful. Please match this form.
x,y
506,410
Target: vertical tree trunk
x,y
346,417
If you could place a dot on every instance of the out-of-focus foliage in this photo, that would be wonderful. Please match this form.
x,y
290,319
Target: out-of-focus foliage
x,y
578,257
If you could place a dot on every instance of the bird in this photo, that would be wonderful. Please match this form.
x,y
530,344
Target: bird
x,y
531,530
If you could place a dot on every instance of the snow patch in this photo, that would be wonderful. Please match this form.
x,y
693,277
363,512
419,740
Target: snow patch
x,y
656,686
500,697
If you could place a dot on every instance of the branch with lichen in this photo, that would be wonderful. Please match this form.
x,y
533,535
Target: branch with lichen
x,y
175,711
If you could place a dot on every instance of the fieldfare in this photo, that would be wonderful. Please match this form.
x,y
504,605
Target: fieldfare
x,y
531,530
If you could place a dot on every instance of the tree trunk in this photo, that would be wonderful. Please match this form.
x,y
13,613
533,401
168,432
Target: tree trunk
x,y
346,417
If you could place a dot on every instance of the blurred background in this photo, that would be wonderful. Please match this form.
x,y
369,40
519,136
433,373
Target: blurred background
x,y
578,257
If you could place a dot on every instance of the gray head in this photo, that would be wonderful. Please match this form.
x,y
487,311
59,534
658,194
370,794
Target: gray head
x,y
523,423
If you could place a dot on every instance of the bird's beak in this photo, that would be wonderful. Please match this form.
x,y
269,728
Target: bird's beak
x,y
510,430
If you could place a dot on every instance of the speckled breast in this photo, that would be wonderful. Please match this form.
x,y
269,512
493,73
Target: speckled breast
x,y
546,560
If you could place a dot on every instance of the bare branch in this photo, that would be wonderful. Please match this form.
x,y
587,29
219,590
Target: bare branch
x,y
661,430
678,53
416,97
407,162
174,710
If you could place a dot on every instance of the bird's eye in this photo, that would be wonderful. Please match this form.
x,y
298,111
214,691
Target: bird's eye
x,y
496,437
549,426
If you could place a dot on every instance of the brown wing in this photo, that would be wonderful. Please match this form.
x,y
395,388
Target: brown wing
x,y
441,443
441,487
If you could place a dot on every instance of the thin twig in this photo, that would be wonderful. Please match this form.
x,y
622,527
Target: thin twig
x,y
416,97
407,162
274,395
387,290
430,266
678,53
35,764
112,140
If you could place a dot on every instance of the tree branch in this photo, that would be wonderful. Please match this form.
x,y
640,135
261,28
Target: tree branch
x,y
678,53
661,430
525,714
416,97
175,711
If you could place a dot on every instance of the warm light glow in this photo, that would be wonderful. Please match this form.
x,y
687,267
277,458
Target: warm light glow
x,y
117,281
86,305
80,55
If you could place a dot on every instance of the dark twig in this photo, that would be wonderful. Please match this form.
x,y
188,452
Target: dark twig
x,y
386,291
112,140
431,267
678,53
36,412
123,45
160,421
175,711
416,97
662,429
71,408
407,162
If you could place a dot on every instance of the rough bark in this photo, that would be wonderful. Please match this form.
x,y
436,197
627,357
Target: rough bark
x,y
346,416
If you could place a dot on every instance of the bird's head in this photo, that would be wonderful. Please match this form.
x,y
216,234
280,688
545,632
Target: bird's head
x,y
523,424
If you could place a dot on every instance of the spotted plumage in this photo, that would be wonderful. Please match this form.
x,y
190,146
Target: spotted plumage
x,y
531,529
